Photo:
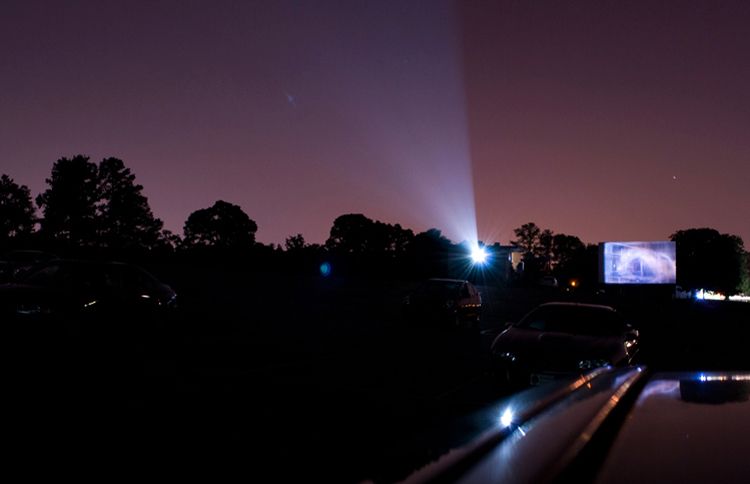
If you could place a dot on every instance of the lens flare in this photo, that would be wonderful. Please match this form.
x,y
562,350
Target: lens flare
x,y
325,269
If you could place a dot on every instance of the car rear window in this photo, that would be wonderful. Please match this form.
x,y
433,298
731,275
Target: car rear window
x,y
440,289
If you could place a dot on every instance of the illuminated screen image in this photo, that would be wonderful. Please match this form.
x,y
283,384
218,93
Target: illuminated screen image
x,y
638,262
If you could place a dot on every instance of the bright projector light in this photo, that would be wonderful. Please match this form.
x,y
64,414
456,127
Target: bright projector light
x,y
478,255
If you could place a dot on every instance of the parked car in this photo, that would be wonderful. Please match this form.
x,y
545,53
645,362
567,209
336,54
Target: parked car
x,y
548,281
445,301
612,426
561,339
72,288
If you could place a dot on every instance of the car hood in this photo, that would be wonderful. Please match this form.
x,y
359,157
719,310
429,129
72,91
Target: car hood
x,y
548,346
613,426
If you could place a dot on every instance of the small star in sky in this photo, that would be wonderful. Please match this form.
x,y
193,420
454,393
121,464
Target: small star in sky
x,y
292,100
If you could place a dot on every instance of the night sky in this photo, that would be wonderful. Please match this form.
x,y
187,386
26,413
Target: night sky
x,y
610,120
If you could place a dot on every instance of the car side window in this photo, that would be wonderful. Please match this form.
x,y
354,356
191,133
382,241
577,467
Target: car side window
x,y
46,276
137,279
537,320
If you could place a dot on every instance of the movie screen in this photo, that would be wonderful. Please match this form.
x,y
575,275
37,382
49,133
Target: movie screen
x,y
638,262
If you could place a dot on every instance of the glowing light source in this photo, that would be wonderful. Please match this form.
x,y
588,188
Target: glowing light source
x,y
705,378
478,255
704,295
506,419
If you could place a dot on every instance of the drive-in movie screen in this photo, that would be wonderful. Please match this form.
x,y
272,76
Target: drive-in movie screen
x,y
638,262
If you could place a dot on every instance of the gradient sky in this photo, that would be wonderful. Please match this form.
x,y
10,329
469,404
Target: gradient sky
x,y
610,120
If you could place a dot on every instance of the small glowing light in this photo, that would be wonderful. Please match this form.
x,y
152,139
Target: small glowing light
x,y
703,295
89,304
145,296
507,418
325,269
573,283
705,378
478,255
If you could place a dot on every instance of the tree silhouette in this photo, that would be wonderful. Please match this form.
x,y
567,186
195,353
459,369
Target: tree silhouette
x,y
568,255
222,225
527,238
356,234
125,218
69,204
545,250
294,243
398,238
710,260
430,254
17,218
350,234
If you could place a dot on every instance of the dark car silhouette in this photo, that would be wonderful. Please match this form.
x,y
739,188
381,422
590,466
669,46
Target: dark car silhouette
x,y
562,339
444,301
80,289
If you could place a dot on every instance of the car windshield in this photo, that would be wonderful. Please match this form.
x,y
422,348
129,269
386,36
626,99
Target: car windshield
x,y
441,289
49,275
67,275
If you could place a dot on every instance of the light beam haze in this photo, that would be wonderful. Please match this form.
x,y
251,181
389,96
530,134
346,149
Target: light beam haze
x,y
609,121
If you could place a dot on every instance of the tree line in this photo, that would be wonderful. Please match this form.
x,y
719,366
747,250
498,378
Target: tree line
x,y
706,258
99,206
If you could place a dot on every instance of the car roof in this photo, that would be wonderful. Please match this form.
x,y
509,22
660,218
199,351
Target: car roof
x,y
577,305
24,253
84,262
454,281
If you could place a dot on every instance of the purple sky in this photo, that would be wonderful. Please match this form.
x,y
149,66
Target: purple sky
x,y
607,120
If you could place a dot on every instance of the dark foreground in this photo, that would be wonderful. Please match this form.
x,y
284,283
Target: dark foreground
x,y
295,377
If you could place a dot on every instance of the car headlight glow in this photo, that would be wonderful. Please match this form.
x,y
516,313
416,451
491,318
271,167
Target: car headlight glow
x,y
591,364
507,356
